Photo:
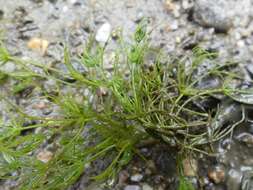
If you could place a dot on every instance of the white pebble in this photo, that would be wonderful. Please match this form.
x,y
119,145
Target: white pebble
x,y
136,177
65,9
103,33
174,25
240,43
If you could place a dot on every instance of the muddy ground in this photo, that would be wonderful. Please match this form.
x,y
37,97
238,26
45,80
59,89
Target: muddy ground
x,y
225,26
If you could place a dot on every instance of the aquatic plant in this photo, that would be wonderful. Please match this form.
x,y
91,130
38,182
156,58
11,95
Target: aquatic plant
x,y
145,95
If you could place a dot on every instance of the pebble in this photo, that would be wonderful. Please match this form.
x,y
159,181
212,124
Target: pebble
x,y
247,181
151,166
240,43
212,14
44,156
8,67
226,144
38,44
103,33
178,40
136,177
246,138
65,9
132,187
186,4
234,179
172,7
190,167
237,36
102,91
217,174
139,16
40,105
123,176
176,11
146,187
72,1
174,25
221,14
169,5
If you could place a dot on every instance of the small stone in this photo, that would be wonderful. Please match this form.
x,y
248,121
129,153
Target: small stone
x,y
151,166
178,40
172,7
245,33
103,33
237,36
190,167
102,91
246,138
226,144
45,156
247,181
212,14
123,177
240,43
146,187
132,187
176,12
186,4
40,105
38,44
139,16
217,174
9,67
174,25
136,177
169,5
65,9
222,14
72,1
234,179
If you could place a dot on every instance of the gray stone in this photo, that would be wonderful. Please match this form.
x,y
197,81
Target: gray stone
x,y
9,67
146,187
247,181
222,14
139,16
246,138
234,179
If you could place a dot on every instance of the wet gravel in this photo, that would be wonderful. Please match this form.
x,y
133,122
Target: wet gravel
x,y
224,26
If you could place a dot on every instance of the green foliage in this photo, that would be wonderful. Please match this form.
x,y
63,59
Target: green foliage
x,y
185,185
142,101
3,77
4,54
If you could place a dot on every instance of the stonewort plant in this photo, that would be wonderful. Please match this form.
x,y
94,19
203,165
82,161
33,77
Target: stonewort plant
x,y
146,95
